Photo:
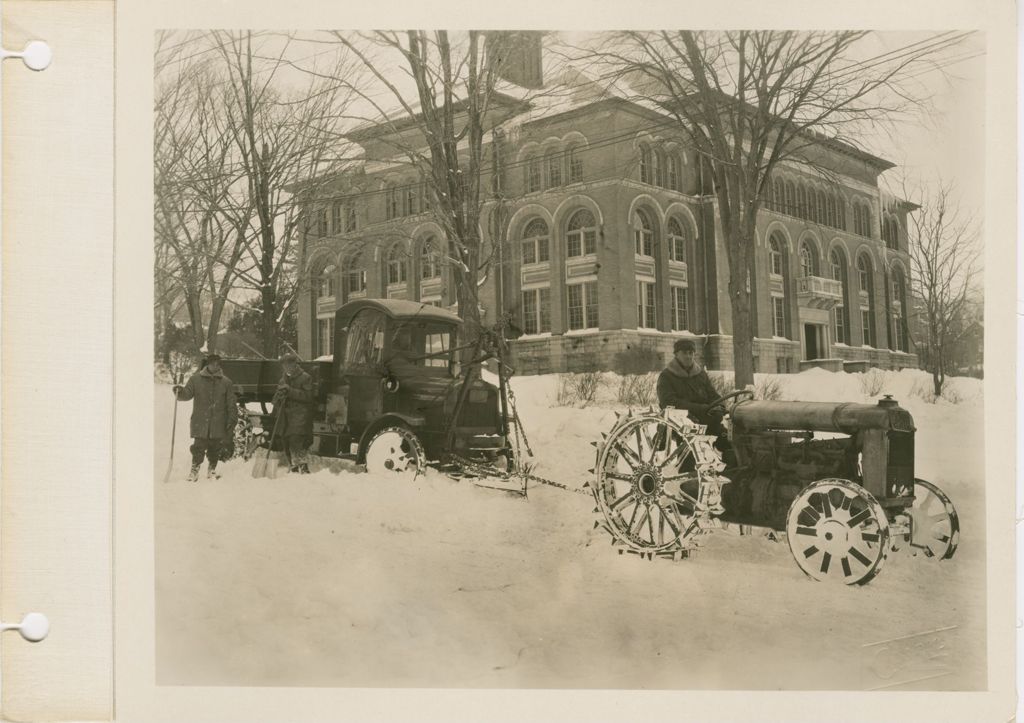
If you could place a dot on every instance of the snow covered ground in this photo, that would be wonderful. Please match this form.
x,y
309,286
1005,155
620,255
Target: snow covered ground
x,y
345,579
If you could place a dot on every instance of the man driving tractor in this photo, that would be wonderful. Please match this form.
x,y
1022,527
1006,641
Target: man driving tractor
x,y
684,384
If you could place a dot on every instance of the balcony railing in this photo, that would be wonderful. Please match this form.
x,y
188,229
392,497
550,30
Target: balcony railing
x,y
818,292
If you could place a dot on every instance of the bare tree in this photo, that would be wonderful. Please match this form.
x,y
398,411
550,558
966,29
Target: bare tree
x,y
450,107
944,252
749,101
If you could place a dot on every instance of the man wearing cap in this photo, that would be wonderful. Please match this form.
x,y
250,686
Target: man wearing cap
x,y
214,413
295,398
684,384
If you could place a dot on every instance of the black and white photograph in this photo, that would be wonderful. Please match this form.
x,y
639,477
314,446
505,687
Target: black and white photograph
x,y
635,360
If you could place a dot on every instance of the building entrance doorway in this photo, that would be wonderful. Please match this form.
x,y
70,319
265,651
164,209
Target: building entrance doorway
x,y
813,342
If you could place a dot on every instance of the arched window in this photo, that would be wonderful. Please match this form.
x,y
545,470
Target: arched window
x,y
660,171
867,299
777,284
430,267
397,267
807,265
643,234
533,174
581,236
790,207
646,175
821,207
840,324
831,221
801,201
676,241
535,244
575,165
778,201
553,169
775,255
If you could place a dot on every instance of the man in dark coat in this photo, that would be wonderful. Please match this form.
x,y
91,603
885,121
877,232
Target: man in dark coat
x,y
684,384
214,413
295,398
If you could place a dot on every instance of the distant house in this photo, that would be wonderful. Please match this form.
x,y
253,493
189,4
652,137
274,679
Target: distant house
x,y
613,242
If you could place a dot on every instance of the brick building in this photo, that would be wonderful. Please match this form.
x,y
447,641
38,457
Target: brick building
x,y
612,245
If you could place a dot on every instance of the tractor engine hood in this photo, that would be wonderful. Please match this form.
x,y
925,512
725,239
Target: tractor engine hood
x,y
847,418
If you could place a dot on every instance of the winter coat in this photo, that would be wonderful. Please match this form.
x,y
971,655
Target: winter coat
x,y
689,390
214,411
298,404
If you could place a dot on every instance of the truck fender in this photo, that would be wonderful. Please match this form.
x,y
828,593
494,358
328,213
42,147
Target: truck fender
x,y
391,419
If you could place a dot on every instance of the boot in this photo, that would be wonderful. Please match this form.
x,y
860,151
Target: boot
x,y
294,469
303,468
212,473
193,475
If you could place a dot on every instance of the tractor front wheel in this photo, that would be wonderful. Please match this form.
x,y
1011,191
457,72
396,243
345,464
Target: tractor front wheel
x,y
837,531
934,523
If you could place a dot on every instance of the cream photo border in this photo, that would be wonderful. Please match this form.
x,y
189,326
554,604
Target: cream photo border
x,y
137,696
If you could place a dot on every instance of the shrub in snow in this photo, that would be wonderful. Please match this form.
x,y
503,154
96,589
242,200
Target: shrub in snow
x,y
578,389
638,390
872,382
768,388
924,389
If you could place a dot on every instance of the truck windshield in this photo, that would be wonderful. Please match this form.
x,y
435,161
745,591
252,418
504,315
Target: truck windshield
x,y
426,345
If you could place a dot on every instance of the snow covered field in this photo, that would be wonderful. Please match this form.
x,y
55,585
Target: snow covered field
x,y
344,579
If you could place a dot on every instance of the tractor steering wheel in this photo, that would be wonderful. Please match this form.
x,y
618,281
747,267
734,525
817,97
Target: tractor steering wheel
x,y
720,402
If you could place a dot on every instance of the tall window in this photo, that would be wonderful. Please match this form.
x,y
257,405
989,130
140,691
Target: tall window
x,y
429,266
575,165
321,226
643,234
646,175
899,329
775,255
583,305
680,308
336,217
350,218
391,202
646,307
533,175
324,336
325,282
660,171
806,260
397,271
838,269
553,162
536,242
355,277
675,172
778,316
867,317
581,239
676,241
790,207
537,311
410,195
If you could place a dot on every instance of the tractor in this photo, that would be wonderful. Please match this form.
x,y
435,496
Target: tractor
x,y
843,500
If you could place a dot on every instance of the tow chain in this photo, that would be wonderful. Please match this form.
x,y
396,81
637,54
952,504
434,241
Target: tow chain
x,y
484,470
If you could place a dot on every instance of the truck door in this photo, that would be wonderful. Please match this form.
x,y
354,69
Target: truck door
x,y
362,369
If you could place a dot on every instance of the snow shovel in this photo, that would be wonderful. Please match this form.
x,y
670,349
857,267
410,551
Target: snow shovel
x,y
174,424
262,467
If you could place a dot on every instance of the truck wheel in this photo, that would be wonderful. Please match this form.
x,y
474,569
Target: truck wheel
x,y
934,523
837,531
394,449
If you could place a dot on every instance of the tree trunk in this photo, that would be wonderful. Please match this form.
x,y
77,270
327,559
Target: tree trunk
x,y
740,248
269,308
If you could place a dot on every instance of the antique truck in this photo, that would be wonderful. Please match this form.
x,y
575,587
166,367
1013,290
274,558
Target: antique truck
x,y
842,501
391,397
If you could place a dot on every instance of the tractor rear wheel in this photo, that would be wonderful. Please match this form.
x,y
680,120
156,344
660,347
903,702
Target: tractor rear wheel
x,y
837,531
395,449
934,523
